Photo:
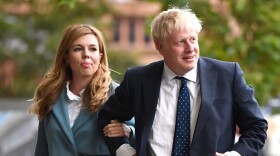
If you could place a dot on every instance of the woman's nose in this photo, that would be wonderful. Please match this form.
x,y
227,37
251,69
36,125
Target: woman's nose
x,y
85,54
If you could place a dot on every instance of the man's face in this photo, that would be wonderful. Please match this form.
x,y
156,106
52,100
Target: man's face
x,y
181,50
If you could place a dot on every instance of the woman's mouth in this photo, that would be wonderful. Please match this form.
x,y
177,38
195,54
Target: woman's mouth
x,y
86,64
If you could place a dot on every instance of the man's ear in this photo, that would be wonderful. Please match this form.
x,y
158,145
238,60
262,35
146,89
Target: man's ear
x,y
158,46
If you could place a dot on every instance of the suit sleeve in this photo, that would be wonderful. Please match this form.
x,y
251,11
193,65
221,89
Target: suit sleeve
x,y
248,117
116,107
41,145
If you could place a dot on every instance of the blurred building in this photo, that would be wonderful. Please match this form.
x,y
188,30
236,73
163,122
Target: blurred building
x,y
131,27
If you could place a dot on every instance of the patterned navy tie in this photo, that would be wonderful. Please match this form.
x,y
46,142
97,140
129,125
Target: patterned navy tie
x,y
181,142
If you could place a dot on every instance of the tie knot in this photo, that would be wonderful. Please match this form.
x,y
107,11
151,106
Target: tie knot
x,y
184,80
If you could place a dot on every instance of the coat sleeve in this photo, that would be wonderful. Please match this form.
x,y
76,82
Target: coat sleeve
x,y
41,145
116,108
132,140
248,117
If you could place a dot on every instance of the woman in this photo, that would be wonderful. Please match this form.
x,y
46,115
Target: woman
x,y
68,99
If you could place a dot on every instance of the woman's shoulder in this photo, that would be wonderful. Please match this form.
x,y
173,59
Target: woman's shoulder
x,y
113,86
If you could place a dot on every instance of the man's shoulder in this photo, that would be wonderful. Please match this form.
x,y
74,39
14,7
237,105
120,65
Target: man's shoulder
x,y
216,62
213,60
226,67
148,67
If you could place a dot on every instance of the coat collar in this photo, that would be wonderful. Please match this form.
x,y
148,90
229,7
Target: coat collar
x,y
60,111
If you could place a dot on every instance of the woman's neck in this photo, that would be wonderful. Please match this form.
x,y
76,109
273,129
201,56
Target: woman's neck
x,y
76,86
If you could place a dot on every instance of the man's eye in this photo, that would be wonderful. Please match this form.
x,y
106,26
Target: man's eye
x,y
180,42
193,39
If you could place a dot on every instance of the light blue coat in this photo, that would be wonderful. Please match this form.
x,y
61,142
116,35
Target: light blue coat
x,y
57,138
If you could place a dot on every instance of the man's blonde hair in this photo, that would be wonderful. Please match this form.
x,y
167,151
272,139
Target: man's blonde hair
x,y
173,19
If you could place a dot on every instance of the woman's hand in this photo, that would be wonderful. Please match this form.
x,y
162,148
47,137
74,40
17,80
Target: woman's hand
x,y
117,129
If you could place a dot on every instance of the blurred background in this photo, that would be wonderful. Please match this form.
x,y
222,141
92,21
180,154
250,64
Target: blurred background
x,y
245,31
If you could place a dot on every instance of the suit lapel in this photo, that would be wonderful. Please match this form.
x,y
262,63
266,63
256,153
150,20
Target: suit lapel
x,y
208,78
151,88
59,110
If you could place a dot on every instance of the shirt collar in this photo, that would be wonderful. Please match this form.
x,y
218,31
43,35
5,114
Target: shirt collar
x,y
72,96
169,75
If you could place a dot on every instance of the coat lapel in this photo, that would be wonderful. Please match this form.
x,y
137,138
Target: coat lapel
x,y
84,116
208,78
60,111
151,89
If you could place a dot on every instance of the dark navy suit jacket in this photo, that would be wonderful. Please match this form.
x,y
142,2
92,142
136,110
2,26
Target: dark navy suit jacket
x,y
226,101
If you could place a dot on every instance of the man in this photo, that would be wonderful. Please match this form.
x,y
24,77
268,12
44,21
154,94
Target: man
x,y
219,99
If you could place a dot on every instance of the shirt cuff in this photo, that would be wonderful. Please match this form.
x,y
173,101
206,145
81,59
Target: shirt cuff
x,y
125,150
131,132
232,153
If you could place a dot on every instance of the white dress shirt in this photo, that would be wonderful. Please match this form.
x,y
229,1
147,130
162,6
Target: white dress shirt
x,y
161,137
74,104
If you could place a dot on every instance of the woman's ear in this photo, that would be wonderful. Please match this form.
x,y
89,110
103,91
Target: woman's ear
x,y
100,56
65,58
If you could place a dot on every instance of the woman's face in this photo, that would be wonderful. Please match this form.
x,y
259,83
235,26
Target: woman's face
x,y
84,57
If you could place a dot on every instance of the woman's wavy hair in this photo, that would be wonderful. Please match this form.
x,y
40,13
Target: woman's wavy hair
x,y
57,76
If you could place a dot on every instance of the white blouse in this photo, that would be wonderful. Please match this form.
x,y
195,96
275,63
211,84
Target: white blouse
x,y
74,104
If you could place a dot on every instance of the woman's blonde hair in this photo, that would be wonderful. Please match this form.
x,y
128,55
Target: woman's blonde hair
x,y
56,78
173,19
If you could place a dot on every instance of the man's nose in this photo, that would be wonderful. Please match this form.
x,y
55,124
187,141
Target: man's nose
x,y
188,46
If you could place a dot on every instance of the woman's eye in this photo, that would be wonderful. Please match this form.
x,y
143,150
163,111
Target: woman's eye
x,y
77,49
93,49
